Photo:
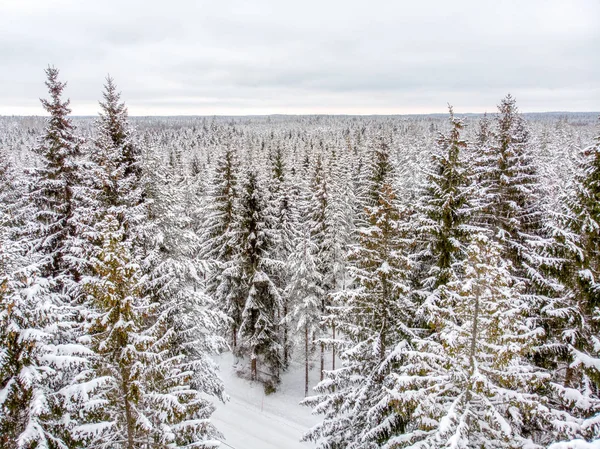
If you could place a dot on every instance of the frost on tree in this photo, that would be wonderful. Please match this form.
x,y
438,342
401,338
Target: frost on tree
x,y
446,207
56,188
470,384
376,320
259,333
304,293
575,316
137,390
509,191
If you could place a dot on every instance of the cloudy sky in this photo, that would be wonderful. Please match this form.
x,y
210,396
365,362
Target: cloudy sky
x,y
172,57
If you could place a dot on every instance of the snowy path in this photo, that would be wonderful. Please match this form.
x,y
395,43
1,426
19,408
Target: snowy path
x,y
252,420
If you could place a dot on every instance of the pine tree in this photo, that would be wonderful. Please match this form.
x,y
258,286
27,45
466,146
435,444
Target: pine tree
x,y
221,240
376,318
574,316
140,390
446,208
56,188
510,191
470,383
304,293
261,315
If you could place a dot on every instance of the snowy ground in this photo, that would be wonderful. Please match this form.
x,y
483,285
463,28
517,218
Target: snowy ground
x,y
253,420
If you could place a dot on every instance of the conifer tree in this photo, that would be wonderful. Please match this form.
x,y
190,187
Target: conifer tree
x,y
33,361
283,209
261,315
187,321
150,328
137,391
56,188
470,383
380,169
377,317
117,158
304,293
574,315
318,212
43,283
510,191
30,361
446,207
342,230
221,238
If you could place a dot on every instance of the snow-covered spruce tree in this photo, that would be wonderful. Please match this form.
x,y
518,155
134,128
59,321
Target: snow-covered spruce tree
x,y
304,293
318,213
29,358
510,191
258,334
186,321
470,384
52,218
283,208
575,316
56,189
342,231
376,320
117,157
152,330
137,392
220,239
445,207
22,376
114,181
32,358
380,169
115,328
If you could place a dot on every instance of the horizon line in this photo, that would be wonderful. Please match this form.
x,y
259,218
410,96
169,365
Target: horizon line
x,y
320,114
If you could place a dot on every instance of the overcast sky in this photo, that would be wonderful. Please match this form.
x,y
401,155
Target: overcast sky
x,y
172,57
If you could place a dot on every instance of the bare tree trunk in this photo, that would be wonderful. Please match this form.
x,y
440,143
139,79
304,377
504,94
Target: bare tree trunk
x,y
305,360
333,347
322,359
253,368
474,329
128,412
234,338
286,354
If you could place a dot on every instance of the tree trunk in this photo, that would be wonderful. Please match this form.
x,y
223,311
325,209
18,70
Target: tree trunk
x,y
128,412
305,360
472,351
253,368
322,359
568,377
333,347
234,337
285,336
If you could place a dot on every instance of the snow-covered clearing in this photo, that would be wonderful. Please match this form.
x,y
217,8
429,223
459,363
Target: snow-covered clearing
x,y
253,420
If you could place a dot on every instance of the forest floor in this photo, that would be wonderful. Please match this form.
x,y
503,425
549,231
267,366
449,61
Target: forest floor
x,y
253,420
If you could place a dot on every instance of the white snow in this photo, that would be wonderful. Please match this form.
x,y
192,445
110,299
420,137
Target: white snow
x,y
576,444
253,420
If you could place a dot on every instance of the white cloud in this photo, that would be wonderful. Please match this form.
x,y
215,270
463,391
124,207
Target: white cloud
x,y
236,57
